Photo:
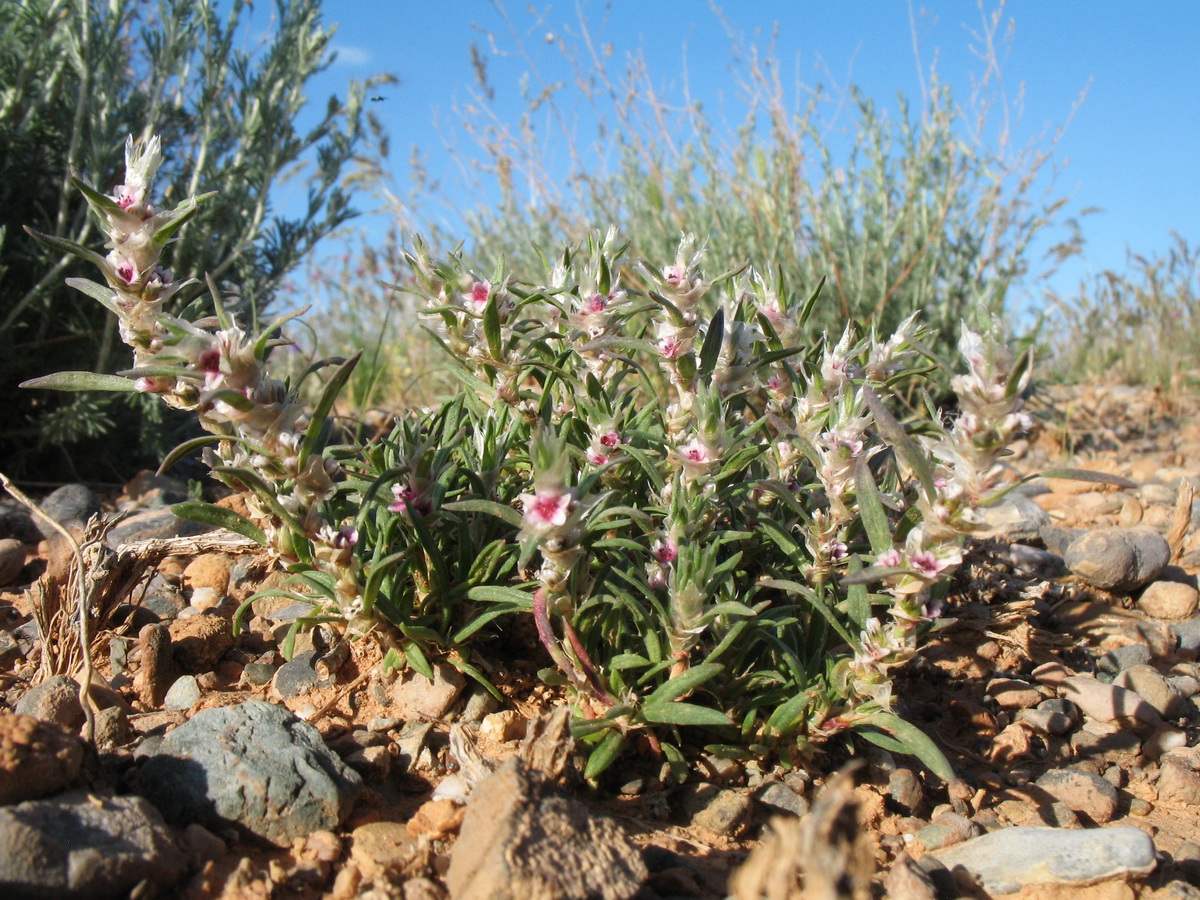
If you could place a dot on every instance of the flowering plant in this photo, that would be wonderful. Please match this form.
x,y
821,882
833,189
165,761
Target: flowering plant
x,y
690,499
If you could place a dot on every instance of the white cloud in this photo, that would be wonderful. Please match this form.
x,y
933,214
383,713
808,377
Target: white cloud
x,y
349,55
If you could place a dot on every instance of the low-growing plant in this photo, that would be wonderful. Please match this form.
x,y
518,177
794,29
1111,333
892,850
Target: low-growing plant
x,y
723,533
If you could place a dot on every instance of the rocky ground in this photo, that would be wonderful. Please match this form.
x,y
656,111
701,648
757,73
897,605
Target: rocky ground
x,y
1066,694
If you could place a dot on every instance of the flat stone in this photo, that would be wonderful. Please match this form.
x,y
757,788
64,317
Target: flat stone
x,y
254,766
1169,600
1151,686
1058,538
779,798
521,838
1012,693
906,790
1179,778
1017,519
296,677
183,694
1005,861
416,696
1118,559
1188,634
153,523
1120,658
721,810
82,847
37,758
1084,792
54,700
382,847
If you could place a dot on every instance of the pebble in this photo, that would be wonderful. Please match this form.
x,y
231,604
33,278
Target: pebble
x,y
79,845
521,838
1188,634
1120,658
1045,721
1151,686
1169,600
906,790
1178,779
153,523
149,490
112,727
183,694
506,725
208,570
16,522
202,845
158,671
12,560
255,766
199,642
258,673
10,649
1101,701
54,700
37,758
721,810
1017,518
1118,559
296,677
415,696
71,503
1005,861
163,598
779,798
382,847
1012,693
1034,562
937,837
1084,792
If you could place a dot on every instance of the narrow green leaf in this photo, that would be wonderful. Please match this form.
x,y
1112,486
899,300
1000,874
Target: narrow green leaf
x,y
219,517
416,658
499,510
81,381
604,755
895,435
684,714
874,517
325,405
916,742
62,245
710,350
491,327
686,682
196,443
1085,475
493,593
106,296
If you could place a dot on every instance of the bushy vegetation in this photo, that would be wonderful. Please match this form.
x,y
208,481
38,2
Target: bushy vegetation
x,y
75,79
693,509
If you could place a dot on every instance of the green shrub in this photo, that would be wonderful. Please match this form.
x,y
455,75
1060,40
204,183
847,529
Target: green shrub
x,y
75,78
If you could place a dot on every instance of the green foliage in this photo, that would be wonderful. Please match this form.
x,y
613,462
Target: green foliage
x,y
75,79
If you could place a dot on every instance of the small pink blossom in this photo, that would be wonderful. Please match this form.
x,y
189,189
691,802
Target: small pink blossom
x,y
596,456
598,304
546,509
478,298
125,196
610,439
673,275
772,312
125,271
889,560
837,550
209,362
670,347
404,495
155,384
926,564
665,550
696,452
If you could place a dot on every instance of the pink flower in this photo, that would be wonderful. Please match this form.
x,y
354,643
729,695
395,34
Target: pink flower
x,y
837,550
126,197
404,495
209,362
547,509
598,304
772,313
596,456
889,560
155,384
610,439
696,452
125,271
926,564
670,347
665,550
673,275
478,297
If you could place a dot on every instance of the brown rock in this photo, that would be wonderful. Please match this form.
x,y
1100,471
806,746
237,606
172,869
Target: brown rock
x,y
208,570
1012,693
416,695
1083,792
158,671
1169,600
384,847
1178,779
521,838
12,560
37,758
437,819
199,642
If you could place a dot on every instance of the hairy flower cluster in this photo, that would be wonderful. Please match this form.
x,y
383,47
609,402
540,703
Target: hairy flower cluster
x,y
219,373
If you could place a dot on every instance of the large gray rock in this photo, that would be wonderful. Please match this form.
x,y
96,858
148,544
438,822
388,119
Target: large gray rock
x,y
255,766
521,838
1016,518
1007,860
70,503
54,700
1118,559
81,846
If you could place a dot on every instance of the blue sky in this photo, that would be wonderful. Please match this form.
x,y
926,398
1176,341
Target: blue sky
x,y
1130,147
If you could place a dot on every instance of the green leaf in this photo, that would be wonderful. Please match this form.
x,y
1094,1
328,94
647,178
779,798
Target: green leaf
x,y
895,435
711,349
416,659
874,517
493,593
81,381
604,755
858,599
187,447
915,742
499,510
473,673
106,296
376,575
491,327
1084,475
220,517
324,405
64,246
684,714
684,683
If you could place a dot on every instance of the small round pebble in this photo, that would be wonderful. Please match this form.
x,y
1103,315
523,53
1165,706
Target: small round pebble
x,y
1169,600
